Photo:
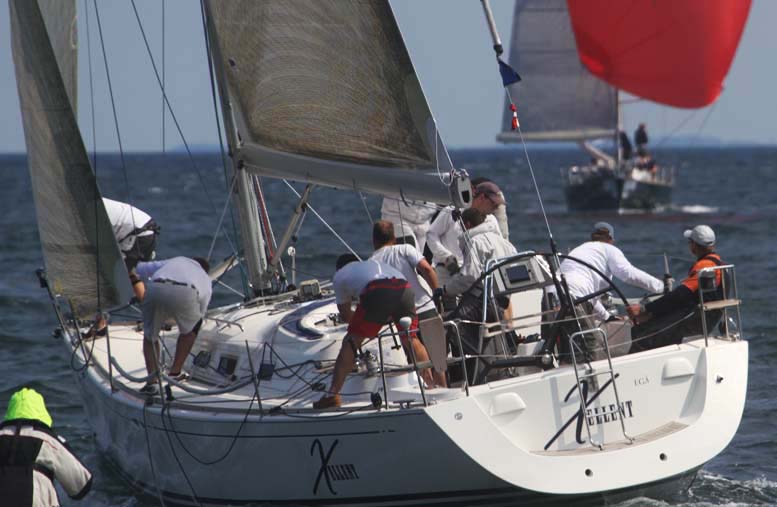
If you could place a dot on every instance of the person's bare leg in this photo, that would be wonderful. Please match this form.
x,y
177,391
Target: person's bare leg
x,y
422,356
344,362
182,349
151,356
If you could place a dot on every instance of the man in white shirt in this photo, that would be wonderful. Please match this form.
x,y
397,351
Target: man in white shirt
x,y
384,296
135,231
607,258
179,289
445,232
410,262
602,254
410,218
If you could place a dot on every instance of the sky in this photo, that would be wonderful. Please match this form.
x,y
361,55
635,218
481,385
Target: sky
x,y
448,42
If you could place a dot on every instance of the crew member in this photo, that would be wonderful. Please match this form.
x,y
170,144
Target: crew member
x,y
411,219
601,253
641,140
485,244
384,296
32,456
135,231
445,232
410,262
179,289
678,305
626,150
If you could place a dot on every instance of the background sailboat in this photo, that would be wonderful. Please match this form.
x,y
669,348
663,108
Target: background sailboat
x,y
576,57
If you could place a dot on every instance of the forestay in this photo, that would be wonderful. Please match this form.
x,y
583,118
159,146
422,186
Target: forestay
x,y
324,92
558,99
83,262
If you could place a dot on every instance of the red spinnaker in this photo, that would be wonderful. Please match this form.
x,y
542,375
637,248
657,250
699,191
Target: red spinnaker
x,y
676,52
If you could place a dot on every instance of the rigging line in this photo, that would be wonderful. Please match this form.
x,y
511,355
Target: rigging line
x,y
113,105
323,221
163,77
676,129
703,123
91,88
221,220
175,454
222,152
364,202
531,171
203,462
175,121
150,458
94,150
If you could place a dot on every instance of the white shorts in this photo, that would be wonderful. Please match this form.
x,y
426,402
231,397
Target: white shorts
x,y
165,300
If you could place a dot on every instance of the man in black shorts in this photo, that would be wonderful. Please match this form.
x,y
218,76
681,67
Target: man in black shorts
x,y
384,296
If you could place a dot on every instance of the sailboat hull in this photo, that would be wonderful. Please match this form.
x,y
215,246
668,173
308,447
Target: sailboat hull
x,y
606,190
516,441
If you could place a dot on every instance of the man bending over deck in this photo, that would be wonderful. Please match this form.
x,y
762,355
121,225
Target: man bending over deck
x,y
384,295
179,289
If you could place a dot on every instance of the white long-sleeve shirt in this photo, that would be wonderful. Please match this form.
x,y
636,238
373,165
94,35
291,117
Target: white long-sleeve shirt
x,y
486,243
444,235
609,260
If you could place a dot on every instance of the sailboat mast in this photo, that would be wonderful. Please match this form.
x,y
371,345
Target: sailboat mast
x,y
252,239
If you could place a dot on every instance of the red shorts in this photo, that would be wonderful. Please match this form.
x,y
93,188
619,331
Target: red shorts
x,y
381,302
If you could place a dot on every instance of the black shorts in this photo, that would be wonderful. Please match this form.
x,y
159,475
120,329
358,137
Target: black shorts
x,y
381,302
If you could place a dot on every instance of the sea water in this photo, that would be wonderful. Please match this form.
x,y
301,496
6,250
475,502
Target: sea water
x,y
733,189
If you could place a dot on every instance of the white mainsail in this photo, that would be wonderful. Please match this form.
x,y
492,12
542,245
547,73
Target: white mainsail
x,y
324,92
561,101
83,262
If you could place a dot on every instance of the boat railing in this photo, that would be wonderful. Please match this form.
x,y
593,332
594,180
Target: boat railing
x,y
717,297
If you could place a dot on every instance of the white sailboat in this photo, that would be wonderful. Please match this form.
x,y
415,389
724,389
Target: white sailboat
x,y
578,58
242,431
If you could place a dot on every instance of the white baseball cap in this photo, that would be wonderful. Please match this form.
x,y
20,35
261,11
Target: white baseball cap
x,y
604,226
701,235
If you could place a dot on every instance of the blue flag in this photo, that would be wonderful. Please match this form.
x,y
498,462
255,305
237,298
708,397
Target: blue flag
x,y
509,76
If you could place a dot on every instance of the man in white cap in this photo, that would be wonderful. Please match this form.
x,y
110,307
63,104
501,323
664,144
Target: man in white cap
x,y
683,299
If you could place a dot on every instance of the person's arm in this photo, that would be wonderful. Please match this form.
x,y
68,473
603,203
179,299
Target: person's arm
x,y
501,217
346,312
434,236
600,312
73,475
145,270
428,273
623,270
468,275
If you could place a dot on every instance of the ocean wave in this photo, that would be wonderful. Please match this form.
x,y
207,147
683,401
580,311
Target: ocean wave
x,y
697,209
